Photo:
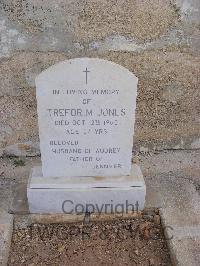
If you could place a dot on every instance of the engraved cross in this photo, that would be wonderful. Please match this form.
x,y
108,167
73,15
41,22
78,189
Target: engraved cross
x,y
86,71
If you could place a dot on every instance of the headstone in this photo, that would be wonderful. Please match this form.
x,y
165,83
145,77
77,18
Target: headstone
x,y
86,114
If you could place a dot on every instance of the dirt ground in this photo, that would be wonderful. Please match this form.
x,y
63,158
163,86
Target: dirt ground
x,y
138,241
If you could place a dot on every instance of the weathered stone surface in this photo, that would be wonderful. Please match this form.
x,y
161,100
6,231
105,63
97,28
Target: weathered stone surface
x,y
11,37
168,96
164,110
28,148
189,10
18,73
185,250
18,103
93,19
128,18
6,227
71,25
15,37
18,118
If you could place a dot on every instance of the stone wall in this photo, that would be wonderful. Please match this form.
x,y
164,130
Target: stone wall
x,y
158,40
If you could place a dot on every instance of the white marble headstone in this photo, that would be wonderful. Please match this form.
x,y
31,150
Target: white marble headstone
x,y
86,112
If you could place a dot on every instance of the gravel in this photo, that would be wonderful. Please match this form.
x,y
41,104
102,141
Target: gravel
x,y
138,241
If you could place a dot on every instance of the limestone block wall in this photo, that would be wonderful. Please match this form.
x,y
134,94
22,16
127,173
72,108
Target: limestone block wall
x,y
158,40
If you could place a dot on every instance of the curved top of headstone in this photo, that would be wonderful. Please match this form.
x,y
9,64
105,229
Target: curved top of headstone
x,y
58,66
86,113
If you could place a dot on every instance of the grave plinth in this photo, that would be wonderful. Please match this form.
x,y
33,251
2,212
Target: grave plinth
x,y
72,195
86,113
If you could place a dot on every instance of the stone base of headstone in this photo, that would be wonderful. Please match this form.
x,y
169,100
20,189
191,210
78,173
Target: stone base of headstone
x,y
72,195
